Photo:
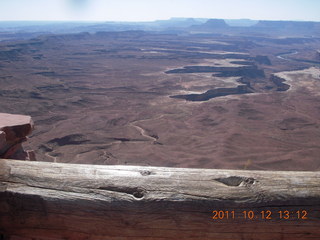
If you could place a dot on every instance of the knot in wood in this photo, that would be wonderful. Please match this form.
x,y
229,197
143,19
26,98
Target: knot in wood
x,y
138,193
145,172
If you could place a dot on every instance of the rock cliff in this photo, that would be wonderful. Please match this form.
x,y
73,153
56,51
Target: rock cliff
x,y
14,130
279,82
213,93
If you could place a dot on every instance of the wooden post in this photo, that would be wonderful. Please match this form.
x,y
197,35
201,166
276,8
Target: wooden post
x,y
40,200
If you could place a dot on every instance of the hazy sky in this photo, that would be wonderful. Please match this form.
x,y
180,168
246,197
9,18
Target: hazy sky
x,y
146,10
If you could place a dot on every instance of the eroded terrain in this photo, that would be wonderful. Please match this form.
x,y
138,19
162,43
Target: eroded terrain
x,y
166,100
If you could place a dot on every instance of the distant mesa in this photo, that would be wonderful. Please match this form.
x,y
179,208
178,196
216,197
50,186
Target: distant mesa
x,y
294,28
216,23
286,25
241,22
211,26
288,28
177,22
170,26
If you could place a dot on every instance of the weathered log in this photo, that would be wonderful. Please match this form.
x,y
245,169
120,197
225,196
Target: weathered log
x,y
42,200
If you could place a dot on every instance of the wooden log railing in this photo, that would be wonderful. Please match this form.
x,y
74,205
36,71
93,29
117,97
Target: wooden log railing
x,y
40,200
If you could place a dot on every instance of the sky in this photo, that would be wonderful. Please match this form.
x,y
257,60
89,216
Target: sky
x,y
149,10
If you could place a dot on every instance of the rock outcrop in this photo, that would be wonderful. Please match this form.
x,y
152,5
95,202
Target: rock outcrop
x,y
14,130
279,82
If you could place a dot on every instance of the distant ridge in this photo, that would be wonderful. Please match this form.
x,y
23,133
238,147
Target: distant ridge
x,y
279,28
171,26
241,22
286,24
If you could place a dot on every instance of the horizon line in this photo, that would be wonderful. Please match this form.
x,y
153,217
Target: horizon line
x,y
148,21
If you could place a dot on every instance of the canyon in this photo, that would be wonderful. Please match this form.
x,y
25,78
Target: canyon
x,y
210,96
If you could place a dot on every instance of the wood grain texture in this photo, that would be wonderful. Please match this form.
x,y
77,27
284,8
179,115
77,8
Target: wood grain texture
x,y
68,201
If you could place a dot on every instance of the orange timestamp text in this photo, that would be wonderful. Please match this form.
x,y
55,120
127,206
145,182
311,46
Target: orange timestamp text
x,y
260,215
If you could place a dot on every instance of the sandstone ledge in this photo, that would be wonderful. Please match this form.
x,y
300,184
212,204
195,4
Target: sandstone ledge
x,y
14,130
